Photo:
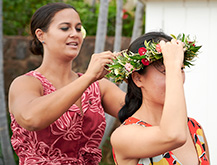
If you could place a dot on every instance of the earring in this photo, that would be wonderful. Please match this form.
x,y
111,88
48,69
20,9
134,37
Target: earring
x,y
43,42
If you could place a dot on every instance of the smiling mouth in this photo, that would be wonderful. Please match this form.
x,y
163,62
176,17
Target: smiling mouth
x,y
72,44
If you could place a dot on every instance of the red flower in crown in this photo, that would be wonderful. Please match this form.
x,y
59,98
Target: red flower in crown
x,y
145,61
158,48
191,43
142,51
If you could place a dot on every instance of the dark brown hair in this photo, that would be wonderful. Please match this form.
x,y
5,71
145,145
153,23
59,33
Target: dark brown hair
x,y
42,19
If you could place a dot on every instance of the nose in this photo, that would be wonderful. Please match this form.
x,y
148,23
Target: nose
x,y
73,33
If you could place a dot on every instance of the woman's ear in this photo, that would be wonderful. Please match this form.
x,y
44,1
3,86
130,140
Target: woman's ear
x,y
136,77
39,34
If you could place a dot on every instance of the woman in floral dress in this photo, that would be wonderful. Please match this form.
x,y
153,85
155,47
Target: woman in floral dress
x,y
57,115
155,128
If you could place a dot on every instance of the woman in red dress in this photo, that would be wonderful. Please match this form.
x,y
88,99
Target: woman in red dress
x,y
57,115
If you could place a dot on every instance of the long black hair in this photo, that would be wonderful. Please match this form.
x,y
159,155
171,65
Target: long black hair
x,y
133,99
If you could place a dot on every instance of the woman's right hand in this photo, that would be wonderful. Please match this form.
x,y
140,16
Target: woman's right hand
x,y
173,53
96,68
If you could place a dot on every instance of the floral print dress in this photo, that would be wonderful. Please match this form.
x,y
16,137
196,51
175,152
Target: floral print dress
x,y
169,158
73,139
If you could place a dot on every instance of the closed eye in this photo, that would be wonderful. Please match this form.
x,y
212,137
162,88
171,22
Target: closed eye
x,y
64,28
78,29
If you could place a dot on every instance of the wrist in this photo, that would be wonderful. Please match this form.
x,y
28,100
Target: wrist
x,y
89,78
171,69
173,66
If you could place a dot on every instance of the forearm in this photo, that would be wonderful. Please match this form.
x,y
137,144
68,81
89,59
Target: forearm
x,y
174,118
44,110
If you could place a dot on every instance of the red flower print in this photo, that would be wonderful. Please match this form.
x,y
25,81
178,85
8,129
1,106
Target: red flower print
x,y
158,48
142,51
145,61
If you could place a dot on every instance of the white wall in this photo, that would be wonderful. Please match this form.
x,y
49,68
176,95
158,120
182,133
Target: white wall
x,y
197,18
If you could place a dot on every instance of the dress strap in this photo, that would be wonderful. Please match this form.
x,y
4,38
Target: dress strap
x,y
133,120
47,86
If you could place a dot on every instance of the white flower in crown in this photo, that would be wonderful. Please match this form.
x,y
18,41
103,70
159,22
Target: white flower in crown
x,y
116,71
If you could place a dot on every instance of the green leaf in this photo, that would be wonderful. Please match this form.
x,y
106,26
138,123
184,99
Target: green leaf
x,y
183,38
115,66
173,36
194,48
138,57
158,56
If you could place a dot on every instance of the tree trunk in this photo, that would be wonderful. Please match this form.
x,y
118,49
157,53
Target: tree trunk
x,y
101,26
118,35
7,153
93,6
100,45
110,120
118,25
93,3
137,27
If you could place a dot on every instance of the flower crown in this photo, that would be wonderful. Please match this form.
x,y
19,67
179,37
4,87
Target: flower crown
x,y
128,62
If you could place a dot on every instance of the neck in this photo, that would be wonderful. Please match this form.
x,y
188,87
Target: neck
x,y
150,112
58,73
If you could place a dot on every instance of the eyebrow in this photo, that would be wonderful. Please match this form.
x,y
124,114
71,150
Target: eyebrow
x,y
70,23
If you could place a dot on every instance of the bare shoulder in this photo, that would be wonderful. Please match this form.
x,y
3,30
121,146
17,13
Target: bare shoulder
x,y
24,82
125,135
25,85
122,140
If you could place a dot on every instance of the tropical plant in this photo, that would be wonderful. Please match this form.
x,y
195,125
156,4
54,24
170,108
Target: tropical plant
x,y
17,15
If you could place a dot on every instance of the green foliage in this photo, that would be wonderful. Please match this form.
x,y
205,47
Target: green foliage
x,y
88,15
17,15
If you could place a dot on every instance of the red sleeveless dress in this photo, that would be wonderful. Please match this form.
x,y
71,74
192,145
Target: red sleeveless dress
x,y
169,158
72,139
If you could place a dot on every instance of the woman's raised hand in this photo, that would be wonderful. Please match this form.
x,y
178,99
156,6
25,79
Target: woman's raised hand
x,y
96,68
173,53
